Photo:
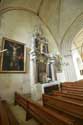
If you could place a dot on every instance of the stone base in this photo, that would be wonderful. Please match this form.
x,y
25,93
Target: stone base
x,y
39,89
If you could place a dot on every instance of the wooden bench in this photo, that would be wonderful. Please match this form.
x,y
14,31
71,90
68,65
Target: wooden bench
x,y
74,94
11,117
73,87
68,90
78,84
3,115
73,108
44,115
68,95
6,115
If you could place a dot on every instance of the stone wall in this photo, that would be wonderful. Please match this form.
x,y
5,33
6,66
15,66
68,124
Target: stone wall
x,y
19,25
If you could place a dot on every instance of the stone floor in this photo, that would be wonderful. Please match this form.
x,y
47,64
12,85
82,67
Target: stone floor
x,y
21,116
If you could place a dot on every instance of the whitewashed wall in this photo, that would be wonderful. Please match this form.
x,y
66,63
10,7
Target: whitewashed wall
x,y
63,19
77,62
19,25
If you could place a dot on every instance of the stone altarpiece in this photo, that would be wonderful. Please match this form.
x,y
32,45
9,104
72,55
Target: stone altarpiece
x,y
42,64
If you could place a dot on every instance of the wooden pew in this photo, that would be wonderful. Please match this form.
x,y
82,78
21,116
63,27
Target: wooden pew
x,y
6,115
74,84
69,87
68,95
64,105
72,90
74,94
79,82
44,115
12,119
69,83
3,115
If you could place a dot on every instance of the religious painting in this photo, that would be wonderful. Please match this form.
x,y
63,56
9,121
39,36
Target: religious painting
x,y
13,59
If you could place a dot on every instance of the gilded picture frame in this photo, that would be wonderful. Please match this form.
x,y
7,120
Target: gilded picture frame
x,y
13,59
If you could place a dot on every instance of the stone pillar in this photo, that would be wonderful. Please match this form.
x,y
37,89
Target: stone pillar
x,y
47,69
33,75
33,68
69,69
53,71
51,61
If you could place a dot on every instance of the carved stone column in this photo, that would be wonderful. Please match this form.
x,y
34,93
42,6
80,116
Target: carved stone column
x,y
52,69
33,67
33,74
69,70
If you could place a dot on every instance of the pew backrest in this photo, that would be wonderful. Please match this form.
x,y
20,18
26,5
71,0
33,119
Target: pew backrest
x,y
11,117
44,115
69,107
3,115
70,96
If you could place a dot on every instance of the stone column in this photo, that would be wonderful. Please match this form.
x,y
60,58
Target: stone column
x,y
52,65
53,71
47,70
33,68
33,75
69,69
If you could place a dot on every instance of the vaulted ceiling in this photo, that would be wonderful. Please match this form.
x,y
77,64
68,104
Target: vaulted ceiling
x,y
78,41
57,15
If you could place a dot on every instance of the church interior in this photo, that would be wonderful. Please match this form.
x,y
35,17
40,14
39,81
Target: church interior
x,y
41,62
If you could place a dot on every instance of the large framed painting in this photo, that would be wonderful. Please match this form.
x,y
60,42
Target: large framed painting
x,y
13,59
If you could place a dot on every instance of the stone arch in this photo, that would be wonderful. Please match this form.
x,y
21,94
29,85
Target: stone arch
x,y
66,45
73,29
4,10
10,8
